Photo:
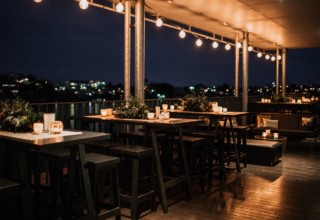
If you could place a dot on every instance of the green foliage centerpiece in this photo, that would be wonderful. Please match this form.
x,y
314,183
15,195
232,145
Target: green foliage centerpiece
x,y
134,108
16,115
196,102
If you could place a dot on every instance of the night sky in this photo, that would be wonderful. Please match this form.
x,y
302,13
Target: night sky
x,y
57,41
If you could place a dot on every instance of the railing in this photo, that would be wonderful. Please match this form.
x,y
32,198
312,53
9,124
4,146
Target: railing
x,y
68,111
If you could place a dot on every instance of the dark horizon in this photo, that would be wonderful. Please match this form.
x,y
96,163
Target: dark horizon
x,y
57,41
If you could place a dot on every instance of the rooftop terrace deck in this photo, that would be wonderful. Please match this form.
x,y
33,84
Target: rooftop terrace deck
x,y
290,190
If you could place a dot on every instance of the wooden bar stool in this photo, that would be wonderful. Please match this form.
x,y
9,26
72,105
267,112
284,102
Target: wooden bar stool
x,y
137,138
103,171
214,154
8,190
56,161
194,147
101,147
241,143
138,191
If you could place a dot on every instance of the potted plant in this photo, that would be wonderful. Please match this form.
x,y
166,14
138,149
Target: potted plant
x,y
16,115
196,102
133,109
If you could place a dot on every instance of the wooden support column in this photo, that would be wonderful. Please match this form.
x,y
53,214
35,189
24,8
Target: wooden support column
x,y
245,67
236,75
139,49
284,72
277,72
127,50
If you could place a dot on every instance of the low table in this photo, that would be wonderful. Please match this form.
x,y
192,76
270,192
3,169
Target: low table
x,y
281,139
263,152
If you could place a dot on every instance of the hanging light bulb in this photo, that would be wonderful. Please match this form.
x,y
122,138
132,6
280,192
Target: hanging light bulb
x,y
119,7
215,44
83,4
250,48
279,57
199,42
37,1
227,47
239,45
159,22
259,54
267,57
182,34
273,58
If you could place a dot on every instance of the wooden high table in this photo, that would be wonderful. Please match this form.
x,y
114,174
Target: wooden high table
x,y
20,143
214,116
151,127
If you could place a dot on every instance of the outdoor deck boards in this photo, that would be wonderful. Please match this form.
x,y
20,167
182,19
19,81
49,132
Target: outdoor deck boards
x,y
288,191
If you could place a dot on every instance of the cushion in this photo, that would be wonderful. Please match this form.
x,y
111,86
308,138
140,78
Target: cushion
x,y
260,120
234,122
307,122
269,123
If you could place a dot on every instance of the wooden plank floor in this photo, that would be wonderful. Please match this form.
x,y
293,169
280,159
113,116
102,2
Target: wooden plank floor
x,y
288,191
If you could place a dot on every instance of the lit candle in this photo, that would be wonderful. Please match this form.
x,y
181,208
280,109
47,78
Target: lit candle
x,y
37,128
165,107
109,111
56,127
103,112
157,111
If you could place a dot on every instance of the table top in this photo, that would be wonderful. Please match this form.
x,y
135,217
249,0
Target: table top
x,y
171,122
66,138
260,137
216,114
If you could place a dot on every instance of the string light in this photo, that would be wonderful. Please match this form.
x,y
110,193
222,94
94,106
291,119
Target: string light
x,y
182,34
227,47
119,7
159,22
199,42
215,44
83,4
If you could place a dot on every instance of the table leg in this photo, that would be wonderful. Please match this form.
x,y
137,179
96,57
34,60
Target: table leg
x,y
235,146
26,202
80,150
163,197
185,163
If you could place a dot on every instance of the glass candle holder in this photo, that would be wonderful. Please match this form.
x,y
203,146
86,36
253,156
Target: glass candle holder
x,y
37,128
165,107
264,134
109,111
56,127
157,111
103,112
47,119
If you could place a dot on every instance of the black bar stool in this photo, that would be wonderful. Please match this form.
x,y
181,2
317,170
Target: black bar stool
x,y
195,148
138,191
55,161
8,190
103,171
101,147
